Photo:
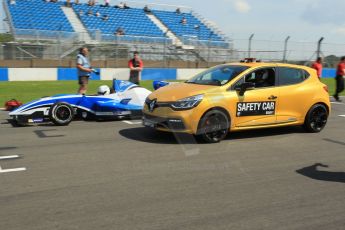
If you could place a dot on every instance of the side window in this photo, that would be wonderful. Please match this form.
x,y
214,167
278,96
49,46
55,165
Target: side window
x,y
290,76
264,77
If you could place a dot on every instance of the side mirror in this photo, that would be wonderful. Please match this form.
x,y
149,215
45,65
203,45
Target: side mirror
x,y
240,89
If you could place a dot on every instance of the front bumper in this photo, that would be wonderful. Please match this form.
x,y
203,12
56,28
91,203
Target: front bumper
x,y
37,117
164,124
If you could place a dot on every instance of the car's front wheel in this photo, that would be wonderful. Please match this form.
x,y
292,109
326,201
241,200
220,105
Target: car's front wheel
x,y
61,113
316,118
213,127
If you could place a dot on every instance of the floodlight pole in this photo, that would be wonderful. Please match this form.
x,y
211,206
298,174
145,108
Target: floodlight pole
x,y
318,52
250,45
285,48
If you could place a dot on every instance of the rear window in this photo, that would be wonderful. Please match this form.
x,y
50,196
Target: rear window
x,y
290,76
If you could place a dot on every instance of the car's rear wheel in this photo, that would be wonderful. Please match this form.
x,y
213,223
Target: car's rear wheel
x,y
61,113
213,127
316,118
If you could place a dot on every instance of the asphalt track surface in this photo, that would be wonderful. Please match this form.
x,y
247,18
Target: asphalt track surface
x,y
117,175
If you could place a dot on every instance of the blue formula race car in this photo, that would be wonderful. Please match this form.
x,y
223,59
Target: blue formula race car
x,y
125,99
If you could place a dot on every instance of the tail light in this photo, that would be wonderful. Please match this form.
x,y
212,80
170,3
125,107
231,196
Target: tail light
x,y
325,87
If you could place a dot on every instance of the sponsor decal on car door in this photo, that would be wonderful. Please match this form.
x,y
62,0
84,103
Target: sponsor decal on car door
x,y
256,107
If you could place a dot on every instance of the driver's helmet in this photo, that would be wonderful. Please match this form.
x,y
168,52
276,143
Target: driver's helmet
x,y
103,90
262,75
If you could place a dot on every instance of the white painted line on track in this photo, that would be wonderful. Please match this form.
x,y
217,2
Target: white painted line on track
x,y
11,170
337,103
8,157
132,122
341,115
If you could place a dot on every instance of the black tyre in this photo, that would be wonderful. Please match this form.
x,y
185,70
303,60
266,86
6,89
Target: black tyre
x,y
316,118
61,113
213,127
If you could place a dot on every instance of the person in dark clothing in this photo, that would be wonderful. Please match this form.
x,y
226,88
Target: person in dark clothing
x,y
119,31
339,79
136,66
147,9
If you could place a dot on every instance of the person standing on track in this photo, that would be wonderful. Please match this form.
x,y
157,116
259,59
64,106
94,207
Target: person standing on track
x,y
136,66
84,69
317,65
339,79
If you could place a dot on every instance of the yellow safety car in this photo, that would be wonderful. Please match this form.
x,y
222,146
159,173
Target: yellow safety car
x,y
240,96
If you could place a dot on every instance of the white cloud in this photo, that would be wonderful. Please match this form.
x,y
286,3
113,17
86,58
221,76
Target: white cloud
x,y
340,30
242,6
322,12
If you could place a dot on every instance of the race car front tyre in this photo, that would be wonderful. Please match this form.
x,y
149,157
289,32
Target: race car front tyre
x,y
213,127
61,113
316,118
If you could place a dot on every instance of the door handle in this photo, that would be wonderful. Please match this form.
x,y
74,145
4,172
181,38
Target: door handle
x,y
272,97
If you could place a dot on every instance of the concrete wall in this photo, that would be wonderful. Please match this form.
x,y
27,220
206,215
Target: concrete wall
x,y
53,74
32,74
110,73
183,74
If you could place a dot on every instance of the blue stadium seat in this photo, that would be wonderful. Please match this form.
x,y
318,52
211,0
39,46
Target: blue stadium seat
x,y
133,21
39,15
173,22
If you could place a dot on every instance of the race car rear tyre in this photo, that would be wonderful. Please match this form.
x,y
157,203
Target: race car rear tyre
x,y
213,127
316,118
61,113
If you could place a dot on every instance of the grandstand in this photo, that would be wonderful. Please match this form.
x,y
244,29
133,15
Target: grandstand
x,y
48,21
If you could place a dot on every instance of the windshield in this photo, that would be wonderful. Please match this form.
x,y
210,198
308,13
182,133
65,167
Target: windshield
x,y
217,76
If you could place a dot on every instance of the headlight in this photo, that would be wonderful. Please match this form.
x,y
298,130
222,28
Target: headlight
x,y
188,102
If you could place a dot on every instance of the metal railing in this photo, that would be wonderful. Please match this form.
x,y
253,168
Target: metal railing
x,y
60,45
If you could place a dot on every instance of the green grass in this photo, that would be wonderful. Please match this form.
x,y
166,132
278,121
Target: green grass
x,y
27,91
330,82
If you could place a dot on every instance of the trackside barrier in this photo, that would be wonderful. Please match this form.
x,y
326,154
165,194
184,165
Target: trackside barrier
x,y
328,73
3,74
64,74
53,74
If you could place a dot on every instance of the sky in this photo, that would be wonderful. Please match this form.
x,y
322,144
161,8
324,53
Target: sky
x,y
303,20
271,20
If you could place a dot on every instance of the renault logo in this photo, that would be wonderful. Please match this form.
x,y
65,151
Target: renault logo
x,y
152,105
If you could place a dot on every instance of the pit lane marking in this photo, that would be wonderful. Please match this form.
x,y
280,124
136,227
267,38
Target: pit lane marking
x,y
10,170
132,122
8,157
